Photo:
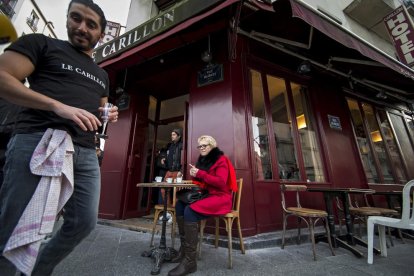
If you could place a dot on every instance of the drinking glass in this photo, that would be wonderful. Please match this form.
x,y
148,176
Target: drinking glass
x,y
105,116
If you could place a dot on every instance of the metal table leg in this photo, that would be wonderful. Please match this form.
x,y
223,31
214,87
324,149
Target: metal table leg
x,y
162,253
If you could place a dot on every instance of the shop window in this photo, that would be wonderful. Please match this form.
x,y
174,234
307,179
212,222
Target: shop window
x,y
307,135
363,142
410,124
263,167
380,151
293,153
404,136
392,147
33,21
378,143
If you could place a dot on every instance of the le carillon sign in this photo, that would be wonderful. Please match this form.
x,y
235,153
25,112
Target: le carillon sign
x,y
164,21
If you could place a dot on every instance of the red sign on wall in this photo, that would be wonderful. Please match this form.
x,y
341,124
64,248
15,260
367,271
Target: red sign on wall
x,y
401,31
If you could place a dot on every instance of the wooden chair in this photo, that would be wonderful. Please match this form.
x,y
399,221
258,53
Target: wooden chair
x,y
358,214
391,200
228,219
362,213
310,216
159,208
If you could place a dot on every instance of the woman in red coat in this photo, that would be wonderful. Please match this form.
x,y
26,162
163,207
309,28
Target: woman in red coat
x,y
216,174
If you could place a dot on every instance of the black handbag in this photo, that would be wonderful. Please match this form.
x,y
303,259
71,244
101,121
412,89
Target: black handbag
x,y
191,195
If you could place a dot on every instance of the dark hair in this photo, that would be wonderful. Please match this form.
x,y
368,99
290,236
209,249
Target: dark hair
x,y
177,131
90,4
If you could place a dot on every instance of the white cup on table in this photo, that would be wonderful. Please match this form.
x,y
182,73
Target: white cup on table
x,y
158,179
169,180
179,179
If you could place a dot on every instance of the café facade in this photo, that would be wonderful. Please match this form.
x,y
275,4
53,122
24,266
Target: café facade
x,y
290,95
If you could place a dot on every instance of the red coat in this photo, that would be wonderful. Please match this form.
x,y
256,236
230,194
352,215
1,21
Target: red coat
x,y
219,200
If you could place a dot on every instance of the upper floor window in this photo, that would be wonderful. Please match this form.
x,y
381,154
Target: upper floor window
x,y
33,21
164,4
380,136
7,7
284,138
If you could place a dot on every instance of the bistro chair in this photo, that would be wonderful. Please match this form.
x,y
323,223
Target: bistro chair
x,y
358,214
386,212
228,219
309,216
406,222
361,213
378,188
159,208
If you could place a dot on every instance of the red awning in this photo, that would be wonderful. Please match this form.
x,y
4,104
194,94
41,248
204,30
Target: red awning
x,y
168,33
261,5
348,39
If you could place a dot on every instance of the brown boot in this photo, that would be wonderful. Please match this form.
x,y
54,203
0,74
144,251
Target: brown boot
x,y
189,262
180,256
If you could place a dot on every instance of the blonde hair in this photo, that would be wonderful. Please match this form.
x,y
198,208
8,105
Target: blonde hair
x,y
208,139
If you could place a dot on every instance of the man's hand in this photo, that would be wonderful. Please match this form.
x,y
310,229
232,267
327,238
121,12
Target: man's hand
x,y
84,119
112,115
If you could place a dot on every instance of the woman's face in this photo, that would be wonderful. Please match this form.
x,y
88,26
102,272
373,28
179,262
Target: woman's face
x,y
204,148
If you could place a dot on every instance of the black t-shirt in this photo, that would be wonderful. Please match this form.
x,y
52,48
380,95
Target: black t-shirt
x,y
65,74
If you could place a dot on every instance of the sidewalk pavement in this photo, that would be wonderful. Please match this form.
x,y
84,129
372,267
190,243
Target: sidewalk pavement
x,y
116,251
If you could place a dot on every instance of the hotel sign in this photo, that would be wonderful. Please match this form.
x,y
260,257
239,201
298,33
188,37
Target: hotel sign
x,y
164,21
111,31
401,31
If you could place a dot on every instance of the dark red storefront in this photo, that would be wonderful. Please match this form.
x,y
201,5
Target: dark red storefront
x,y
168,67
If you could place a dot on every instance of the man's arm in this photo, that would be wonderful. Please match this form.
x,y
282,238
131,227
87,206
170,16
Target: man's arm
x,y
14,68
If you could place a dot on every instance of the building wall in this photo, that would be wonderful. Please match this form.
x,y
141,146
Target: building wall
x,y
140,11
340,151
222,110
336,9
22,11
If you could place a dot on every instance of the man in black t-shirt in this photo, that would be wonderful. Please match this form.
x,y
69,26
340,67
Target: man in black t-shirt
x,y
67,92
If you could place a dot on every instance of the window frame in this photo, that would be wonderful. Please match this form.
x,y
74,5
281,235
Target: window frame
x,y
33,20
288,80
377,164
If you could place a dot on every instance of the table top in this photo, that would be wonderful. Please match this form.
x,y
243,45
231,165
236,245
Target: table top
x,y
341,190
397,193
165,185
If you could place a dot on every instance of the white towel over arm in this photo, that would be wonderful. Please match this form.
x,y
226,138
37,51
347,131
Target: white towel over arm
x,y
53,160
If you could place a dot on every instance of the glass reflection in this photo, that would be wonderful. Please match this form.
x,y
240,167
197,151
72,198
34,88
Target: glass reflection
x,y
307,136
282,125
363,143
379,146
263,167
392,147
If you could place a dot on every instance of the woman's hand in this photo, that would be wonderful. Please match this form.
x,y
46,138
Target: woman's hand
x,y
193,171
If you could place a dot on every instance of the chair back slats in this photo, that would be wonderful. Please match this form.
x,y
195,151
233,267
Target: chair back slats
x,y
308,215
298,188
292,188
386,187
237,195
